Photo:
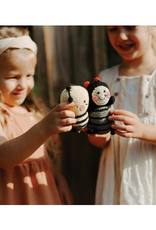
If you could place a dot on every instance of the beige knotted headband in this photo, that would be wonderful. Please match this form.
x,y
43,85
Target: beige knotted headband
x,y
18,42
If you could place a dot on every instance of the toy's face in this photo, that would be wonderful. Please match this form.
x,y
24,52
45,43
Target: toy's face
x,y
101,95
80,98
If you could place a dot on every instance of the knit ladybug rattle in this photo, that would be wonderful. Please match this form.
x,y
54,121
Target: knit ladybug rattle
x,y
100,104
79,95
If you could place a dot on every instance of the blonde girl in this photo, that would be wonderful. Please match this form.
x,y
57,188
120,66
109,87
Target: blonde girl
x,y
127,169
27,175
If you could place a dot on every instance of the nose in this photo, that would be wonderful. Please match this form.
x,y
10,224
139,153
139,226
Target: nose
x,y
123,35
21,83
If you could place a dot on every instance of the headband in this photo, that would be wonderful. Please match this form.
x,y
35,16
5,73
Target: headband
x,y
18,42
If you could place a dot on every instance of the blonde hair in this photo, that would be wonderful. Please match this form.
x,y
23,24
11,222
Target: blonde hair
x,y
32,102
13,31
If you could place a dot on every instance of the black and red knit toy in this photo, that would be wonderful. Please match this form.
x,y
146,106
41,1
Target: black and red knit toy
x,y
100,104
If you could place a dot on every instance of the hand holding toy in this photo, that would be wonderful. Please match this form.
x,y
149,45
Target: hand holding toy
x,y
80,97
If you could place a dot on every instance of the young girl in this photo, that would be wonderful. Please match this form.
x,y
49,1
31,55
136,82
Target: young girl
x,y
127,169
27,175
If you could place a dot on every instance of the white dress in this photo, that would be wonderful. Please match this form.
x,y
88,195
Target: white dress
x,y
127,170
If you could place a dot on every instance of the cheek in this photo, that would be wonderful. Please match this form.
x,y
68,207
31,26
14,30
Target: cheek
x,y
82,107
30,85
108,95
7,86
95,98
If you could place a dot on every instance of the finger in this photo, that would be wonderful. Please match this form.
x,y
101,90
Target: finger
x,y
121,118
63,106
124,134
102,135
67,121
64,129
66,113
126,128
122,112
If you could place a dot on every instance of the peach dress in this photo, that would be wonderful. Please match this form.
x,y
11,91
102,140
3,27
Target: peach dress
x,y
31,182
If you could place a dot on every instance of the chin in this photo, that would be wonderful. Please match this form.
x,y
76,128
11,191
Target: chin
x,y
18,103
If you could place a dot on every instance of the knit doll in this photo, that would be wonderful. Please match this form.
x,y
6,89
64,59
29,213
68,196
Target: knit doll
x,y
80,97
99,106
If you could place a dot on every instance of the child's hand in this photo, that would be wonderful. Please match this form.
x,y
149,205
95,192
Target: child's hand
x,y
99,141
131,127
60,119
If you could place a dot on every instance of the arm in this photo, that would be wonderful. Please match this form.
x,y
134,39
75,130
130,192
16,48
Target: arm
x,y
100,141
132,126
58,120
111,101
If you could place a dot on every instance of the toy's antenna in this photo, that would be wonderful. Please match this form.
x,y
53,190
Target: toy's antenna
x,y
68,88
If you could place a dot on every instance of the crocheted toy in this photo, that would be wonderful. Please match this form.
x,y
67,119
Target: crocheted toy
x,y
99,106
79,95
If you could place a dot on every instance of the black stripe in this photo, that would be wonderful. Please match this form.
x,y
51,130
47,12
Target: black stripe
x,y
102,109
96,118
81,115
79,122
80,126
103,131
100,124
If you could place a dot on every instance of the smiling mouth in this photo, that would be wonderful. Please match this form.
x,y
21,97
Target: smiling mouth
x,y
19,94
124,47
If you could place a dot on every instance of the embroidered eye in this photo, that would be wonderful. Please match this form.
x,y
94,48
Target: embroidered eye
x,y
98,92
104,91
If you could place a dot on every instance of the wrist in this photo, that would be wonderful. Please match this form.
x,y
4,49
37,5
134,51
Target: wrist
x,y
148,133
142,131
44,127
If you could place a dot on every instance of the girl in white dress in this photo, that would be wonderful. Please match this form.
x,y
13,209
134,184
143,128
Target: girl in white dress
x,y
127,170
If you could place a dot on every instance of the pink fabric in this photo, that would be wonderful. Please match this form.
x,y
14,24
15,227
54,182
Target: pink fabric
x,y
31,182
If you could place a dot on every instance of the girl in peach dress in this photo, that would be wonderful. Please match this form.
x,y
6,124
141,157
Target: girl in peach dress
x,y
27,174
